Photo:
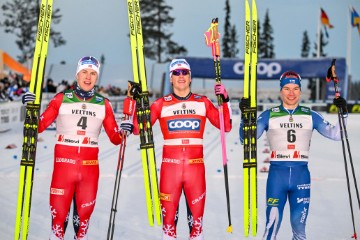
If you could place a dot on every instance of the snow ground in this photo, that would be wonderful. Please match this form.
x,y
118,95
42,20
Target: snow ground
x,y
329,216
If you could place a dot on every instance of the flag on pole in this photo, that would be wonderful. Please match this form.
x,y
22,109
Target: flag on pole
x,y
325,21
355,19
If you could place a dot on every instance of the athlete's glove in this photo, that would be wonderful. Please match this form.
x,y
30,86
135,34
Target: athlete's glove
x,y
220,90
244,104
28,97
127,127
340,102
134,89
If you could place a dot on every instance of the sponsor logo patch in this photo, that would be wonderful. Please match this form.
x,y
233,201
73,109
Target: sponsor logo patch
x,y
90,162
184,125
165,197
272,201
65,160
168,98
69,95
57,191
99,99
171,160
196,160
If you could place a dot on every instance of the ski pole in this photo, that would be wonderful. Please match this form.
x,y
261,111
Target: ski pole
x,y
119,168
331,76
212,40
128,115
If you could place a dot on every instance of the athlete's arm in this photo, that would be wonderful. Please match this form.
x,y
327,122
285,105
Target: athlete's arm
x,y
325,128
51,112
212,113
110,125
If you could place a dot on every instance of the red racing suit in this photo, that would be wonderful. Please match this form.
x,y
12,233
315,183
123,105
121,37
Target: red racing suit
x,y
182,122
76,168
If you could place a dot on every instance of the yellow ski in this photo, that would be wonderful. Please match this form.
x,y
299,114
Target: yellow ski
x,y
143,114
32,115
250,118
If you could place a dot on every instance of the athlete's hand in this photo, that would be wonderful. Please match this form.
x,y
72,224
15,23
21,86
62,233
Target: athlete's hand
x,y
244,104
220,90
340,102
134,90
127,127
28,97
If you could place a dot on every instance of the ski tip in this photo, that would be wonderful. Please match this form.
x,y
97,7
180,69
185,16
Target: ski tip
x,y
229,229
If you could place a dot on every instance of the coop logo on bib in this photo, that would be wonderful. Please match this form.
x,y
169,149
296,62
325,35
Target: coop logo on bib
x,y
184,125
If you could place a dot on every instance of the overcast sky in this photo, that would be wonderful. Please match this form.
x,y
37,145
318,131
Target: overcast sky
x,y
101,27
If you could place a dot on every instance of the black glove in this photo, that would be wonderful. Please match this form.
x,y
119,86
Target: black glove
x,y
340,102
134,89
244,104
28,97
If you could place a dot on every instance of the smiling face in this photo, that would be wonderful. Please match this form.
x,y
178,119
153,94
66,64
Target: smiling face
x,y
290,95
86,79
180,79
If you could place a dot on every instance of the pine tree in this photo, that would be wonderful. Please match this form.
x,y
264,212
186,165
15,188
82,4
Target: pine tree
x,y
230,38
227,26
233,43
261,42
155,19
20,19
266,49
305,47
323,44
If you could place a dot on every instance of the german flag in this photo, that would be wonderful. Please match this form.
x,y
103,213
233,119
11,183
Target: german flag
x,y
325,19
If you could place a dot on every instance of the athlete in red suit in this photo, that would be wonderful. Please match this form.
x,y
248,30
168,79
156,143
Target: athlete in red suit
x,y
80,113
182,116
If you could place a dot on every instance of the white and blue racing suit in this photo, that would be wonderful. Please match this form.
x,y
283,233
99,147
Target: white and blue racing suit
x,y
289,135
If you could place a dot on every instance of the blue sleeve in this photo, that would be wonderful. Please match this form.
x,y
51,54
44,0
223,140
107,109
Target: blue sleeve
x,y
325,128
261,126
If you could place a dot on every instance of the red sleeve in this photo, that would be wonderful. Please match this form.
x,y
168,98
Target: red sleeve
x,y
155,110
110,125
212,113
51,112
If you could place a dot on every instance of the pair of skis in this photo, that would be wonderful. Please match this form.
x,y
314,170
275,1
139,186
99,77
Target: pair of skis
x,y
143,114
249,117
32,115
331,76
